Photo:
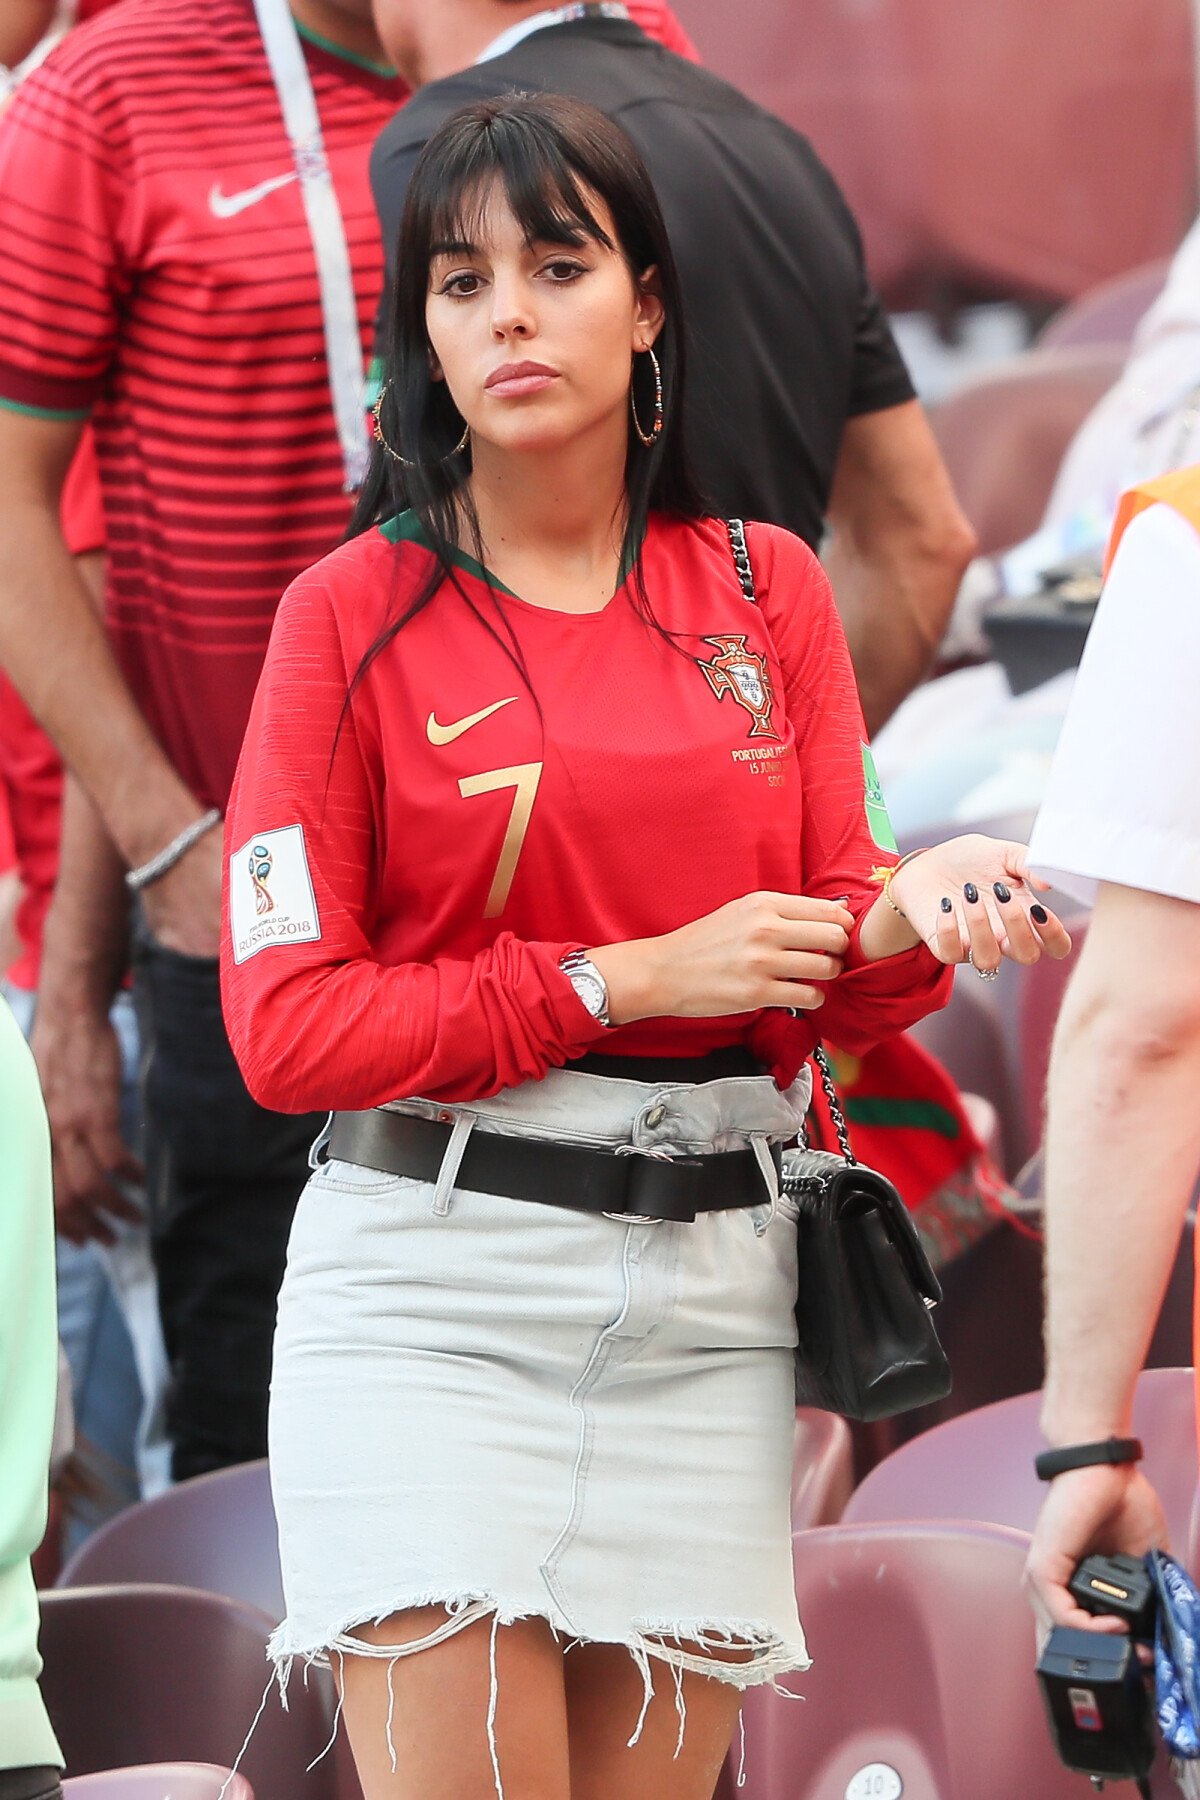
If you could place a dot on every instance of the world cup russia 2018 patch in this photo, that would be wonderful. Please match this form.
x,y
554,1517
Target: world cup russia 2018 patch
x,y
879,824
271,898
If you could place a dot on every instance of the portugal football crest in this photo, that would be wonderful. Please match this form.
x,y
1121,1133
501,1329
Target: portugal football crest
x,y
744,674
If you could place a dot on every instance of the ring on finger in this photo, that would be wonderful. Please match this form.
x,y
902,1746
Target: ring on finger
x,y
983,974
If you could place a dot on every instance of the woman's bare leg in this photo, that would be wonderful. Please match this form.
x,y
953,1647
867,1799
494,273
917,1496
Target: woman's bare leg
x,y
440,1709
604,1698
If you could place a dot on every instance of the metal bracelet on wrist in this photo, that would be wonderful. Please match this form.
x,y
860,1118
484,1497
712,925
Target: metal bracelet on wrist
x,y
149,872
886,874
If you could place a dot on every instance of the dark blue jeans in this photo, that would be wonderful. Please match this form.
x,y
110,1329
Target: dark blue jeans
x,y
30,1784
222,1180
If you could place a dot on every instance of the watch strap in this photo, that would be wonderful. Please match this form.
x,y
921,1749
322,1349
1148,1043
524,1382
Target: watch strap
x,y
1085,1456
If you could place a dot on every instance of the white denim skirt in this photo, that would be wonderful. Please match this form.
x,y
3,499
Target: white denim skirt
x,y
513,1410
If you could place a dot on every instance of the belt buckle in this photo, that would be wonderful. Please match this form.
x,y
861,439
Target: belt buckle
x,y
638,1218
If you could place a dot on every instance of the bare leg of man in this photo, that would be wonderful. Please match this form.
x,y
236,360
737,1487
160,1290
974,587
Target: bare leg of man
x,y
605,1692
438,1702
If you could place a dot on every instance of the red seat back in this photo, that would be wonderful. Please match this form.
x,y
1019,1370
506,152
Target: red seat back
x,y
822,1468
1109,313
215,1532
1003,435
142,1674
980,1465
923,1652
1021,147
1039,1001
160,1781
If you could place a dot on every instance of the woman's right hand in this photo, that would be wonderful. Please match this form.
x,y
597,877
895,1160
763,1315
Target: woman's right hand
x,y
762,950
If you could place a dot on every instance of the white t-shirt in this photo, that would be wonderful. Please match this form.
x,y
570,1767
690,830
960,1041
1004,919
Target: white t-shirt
x,y
1123,799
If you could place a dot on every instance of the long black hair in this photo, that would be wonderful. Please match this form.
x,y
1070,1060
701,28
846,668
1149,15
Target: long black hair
x,y
546,151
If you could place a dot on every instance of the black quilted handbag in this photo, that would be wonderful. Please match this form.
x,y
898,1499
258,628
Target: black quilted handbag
x,y
867,1347
864,1307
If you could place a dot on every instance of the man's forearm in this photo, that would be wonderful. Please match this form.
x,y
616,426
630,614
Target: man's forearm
x,y
22,24
899,547
85,945
1122,1149
54,647
894,602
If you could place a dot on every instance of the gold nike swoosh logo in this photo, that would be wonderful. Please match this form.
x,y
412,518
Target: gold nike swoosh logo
x,y
446,734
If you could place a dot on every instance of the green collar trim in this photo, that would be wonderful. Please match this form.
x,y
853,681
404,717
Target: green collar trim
x,y
406,527
43,412
384,70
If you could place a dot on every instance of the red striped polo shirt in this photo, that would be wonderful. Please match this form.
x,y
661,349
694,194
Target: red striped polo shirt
x,y
159,274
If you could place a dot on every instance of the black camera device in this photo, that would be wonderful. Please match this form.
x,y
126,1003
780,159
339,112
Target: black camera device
x,y
1095,1687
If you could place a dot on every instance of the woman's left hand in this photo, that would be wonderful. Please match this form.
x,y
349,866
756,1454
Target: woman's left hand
x,y
973,899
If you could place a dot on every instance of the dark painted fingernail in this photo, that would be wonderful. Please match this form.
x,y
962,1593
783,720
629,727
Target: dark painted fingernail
x,y
947,903
970,892
1001,892
1039,913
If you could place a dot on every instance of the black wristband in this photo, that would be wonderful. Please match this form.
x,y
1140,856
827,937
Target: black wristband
x,y
1085,1456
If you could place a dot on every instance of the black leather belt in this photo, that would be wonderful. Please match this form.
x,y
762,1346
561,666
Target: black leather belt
x,y
593,1181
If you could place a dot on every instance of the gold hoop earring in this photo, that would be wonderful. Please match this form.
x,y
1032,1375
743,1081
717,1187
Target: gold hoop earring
x,y
655,431
395,455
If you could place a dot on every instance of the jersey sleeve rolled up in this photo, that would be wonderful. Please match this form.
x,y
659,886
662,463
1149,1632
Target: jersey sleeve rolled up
x,y
316,1021
62,215
845,833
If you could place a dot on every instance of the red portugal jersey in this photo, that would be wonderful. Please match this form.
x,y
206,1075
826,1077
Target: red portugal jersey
x,y
406,870
31,778
159,274
82,506
8,846
658,21
31,775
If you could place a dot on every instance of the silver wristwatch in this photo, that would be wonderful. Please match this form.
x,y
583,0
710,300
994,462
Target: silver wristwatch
x,y
588,983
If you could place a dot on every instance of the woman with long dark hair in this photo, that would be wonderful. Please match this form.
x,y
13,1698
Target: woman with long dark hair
x,y
552,853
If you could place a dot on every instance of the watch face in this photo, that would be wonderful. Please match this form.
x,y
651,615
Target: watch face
x,y
590,991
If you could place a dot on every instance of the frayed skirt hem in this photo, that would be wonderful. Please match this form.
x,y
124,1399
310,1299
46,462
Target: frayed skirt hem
x,y
692,1645
684,1645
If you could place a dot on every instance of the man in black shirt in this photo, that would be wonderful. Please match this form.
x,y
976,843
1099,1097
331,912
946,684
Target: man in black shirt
x,y
800,407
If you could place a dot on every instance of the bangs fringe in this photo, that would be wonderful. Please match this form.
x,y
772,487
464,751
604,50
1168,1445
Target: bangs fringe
x,y
540,184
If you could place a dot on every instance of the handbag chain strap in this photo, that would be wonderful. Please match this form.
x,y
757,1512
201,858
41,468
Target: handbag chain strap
x,y
835,1106
745,573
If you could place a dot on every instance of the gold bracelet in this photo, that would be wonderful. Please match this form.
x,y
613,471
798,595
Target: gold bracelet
x,y
886,873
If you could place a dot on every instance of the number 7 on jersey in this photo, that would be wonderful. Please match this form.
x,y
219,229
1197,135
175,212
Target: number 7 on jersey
x,y
523,778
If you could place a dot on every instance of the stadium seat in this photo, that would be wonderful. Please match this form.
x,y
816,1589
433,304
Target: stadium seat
x,y
142,1674
822,1469
1003,435
992,1298
942,122
922,1679
159,1781
967,1037
980,1466
1108,313
215,1532
1039,996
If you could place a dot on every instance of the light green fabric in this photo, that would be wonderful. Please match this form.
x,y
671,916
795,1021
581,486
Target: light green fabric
x,y
28,1375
